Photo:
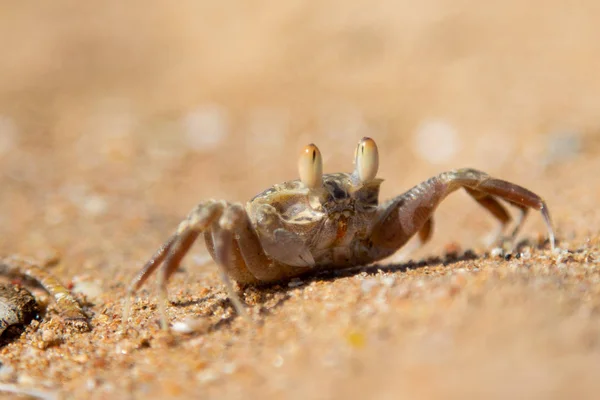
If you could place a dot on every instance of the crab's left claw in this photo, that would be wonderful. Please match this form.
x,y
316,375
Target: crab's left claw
x,y
289,248
278,242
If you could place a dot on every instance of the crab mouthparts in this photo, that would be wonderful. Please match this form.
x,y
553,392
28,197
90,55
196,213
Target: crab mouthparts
x,y
342,228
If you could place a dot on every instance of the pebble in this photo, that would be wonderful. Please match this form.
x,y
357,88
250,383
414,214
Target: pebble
x,y
190,325
207,376
496,252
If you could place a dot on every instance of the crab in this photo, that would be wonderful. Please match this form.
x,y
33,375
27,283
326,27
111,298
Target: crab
x,y
323,222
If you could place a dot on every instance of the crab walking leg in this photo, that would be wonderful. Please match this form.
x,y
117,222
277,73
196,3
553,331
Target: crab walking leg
x,y
263,258
151,266
179,243
406,214
223,248
239,253
426,231
424,234
69,307
144,274
516,195
236,247
520,221
184,241
491,204
498,211
200,219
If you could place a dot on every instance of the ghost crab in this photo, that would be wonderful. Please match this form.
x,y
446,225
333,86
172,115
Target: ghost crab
x,y
323,221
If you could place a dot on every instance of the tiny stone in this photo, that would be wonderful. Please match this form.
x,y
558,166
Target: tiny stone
x,y
190,325
496,252
207,376
48,335
278,362
229,368
91,384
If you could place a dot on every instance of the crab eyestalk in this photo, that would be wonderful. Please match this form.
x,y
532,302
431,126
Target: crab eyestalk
x,y
366,160
310,167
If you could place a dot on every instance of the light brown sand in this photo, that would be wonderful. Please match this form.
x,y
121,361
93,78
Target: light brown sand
x,y
116,119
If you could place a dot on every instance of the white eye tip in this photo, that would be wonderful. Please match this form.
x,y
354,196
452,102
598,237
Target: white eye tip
x,y
310,167
366,160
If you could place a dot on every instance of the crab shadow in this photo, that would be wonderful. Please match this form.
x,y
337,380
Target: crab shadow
x,y
269,297
444,260
277,294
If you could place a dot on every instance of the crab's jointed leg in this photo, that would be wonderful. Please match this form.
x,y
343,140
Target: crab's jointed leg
x,y
231,241
426,231
411,212
169,255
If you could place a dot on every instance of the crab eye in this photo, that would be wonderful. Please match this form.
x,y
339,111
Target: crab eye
x,y
366,158
310,167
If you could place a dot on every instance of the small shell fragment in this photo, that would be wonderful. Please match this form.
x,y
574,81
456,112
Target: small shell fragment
x,y
69,308
191,325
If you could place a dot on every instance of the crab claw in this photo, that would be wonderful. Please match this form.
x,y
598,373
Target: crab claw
x,y
310,167
366,160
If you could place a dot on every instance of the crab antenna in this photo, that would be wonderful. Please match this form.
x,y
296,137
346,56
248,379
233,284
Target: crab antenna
x,y
310,167
366,160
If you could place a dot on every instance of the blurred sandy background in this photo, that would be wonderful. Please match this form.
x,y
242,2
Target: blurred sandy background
x,y
117,117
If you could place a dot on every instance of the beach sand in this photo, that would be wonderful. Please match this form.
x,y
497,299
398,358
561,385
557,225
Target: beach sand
x,y
115,120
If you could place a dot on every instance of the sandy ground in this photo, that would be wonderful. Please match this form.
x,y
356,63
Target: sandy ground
x,y
116,119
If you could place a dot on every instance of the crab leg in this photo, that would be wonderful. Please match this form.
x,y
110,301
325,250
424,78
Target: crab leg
x,y
180,247
230,239
499,212
407,214
171,253
261,258
426,231
224,250
151,266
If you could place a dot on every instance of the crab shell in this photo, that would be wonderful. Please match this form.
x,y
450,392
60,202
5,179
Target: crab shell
x,y
328,225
